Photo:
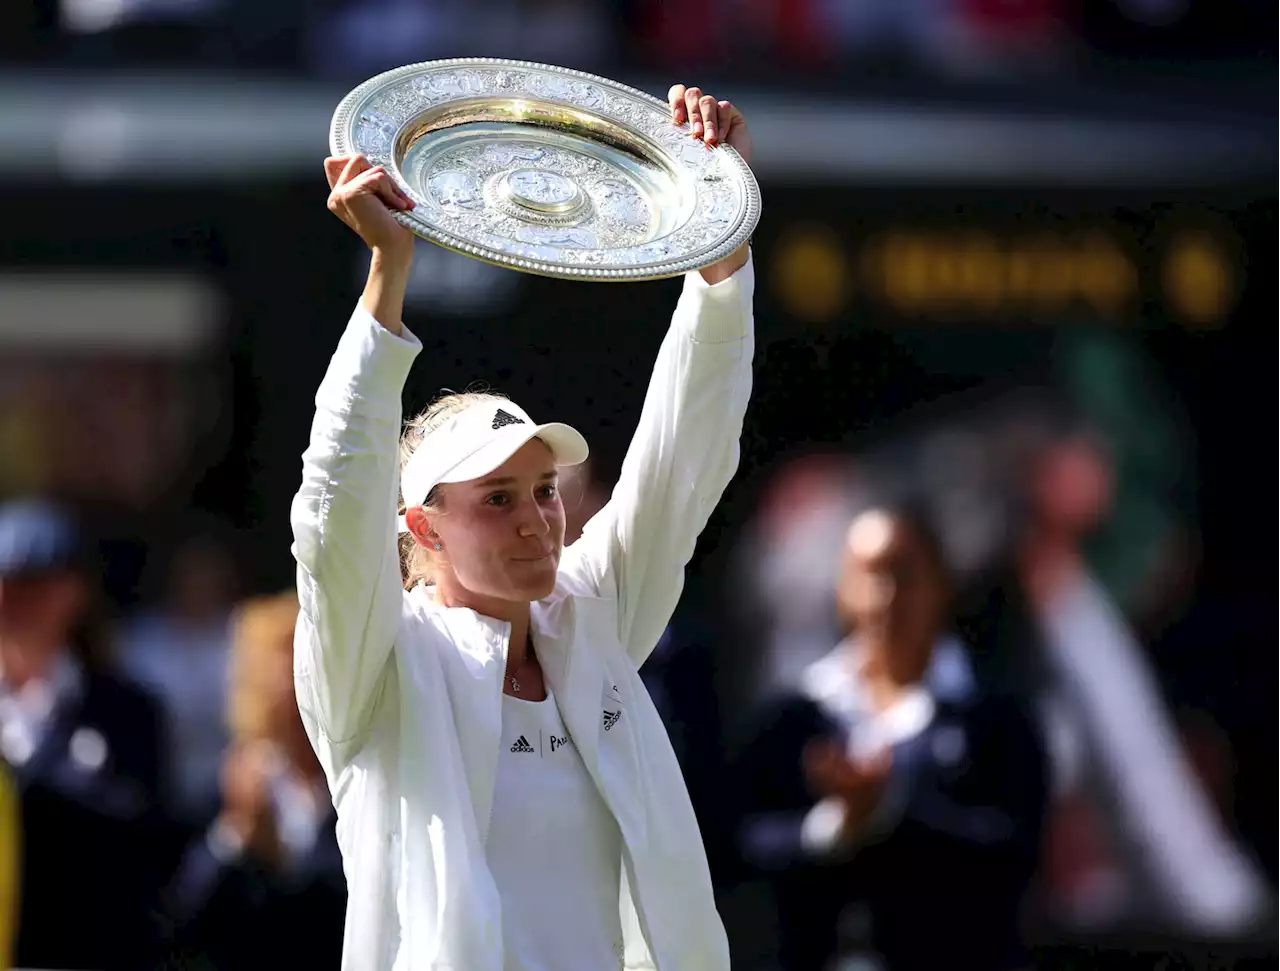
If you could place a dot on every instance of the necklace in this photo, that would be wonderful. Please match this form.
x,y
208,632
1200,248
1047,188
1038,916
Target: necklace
x,y
515,682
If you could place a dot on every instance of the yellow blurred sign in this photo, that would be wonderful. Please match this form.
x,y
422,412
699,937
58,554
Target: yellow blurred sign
x,y
811,273
1199,279
977,272
983,274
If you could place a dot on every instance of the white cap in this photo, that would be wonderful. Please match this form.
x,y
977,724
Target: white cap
x,y
474,442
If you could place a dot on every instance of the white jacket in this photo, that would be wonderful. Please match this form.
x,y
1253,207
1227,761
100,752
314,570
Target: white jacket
x,y
402,698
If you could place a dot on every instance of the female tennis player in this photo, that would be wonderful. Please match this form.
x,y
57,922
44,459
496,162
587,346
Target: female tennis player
x,y
507,796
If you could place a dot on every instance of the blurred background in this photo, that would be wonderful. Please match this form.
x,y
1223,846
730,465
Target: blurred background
x,y
1014,268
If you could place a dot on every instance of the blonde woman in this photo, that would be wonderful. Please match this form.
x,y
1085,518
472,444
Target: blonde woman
x,y
274,799
507,796
263,889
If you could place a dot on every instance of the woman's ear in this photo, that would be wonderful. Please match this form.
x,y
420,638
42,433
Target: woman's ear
x,y
419,524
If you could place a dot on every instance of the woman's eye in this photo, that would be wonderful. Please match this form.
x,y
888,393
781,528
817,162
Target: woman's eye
x,y
498,499
548,491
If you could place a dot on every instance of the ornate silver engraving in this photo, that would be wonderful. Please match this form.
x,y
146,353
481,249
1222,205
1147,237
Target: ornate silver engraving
x,y
453,190
509,81
509,177
375,133
506,155
570,236
620,200
538,196
559,88
541,189
444,85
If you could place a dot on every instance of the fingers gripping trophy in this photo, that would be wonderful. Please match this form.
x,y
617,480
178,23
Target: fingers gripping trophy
x,y
507,795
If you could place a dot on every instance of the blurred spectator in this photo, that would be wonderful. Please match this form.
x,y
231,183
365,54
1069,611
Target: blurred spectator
x,y
1189,30
787,562
362,37
1135,839
180,651
84,749
828,35
92,16
891,785
992,36
264,886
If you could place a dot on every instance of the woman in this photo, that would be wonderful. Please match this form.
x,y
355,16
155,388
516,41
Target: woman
x,y
892,782
507,797
264,887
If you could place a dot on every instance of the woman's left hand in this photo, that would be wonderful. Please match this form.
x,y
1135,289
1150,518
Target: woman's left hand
x,y
714,123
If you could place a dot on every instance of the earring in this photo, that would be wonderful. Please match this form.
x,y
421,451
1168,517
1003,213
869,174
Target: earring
x,y
439,547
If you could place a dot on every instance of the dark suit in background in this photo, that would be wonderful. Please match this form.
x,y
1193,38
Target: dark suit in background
x,y
93,840
227,911
955,842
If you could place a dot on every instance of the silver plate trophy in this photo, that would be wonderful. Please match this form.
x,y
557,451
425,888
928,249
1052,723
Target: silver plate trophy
x,y
548,170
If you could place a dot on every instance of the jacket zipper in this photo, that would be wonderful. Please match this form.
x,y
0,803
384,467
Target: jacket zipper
x,y
506,648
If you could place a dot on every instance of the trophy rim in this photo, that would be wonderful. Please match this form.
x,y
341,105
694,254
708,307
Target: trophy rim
x,y
342,143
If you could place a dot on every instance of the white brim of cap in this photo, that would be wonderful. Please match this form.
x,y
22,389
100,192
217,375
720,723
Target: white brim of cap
x,y
567,445
568,448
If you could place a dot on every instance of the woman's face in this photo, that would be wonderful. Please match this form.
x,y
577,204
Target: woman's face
x,y
502,534
891,589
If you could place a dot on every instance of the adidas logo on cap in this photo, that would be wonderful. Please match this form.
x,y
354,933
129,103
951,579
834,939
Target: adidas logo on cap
x,y
501,419
522,745
611,719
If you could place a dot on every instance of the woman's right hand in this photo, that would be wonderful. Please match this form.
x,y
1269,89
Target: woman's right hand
x,y
363,197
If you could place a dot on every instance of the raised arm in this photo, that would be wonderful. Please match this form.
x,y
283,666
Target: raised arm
x,y
685,449
344,513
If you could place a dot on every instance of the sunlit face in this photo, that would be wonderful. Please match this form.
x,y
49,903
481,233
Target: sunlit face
x,y
891,589
502,534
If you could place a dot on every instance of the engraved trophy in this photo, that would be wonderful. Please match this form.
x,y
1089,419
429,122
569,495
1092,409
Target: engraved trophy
x,y
548,170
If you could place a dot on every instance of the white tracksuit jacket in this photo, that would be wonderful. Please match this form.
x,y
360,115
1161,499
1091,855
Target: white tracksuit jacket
x,y
402,698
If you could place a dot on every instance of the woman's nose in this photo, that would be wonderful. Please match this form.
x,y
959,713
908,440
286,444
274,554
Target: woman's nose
x,y
534,522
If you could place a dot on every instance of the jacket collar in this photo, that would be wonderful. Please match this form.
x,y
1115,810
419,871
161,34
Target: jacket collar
x,y
573,675
834,682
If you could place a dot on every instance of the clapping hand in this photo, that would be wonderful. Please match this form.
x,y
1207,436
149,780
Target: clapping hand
x,y
859,784
246,800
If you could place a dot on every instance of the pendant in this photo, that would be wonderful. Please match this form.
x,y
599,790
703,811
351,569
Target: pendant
x,y
515,685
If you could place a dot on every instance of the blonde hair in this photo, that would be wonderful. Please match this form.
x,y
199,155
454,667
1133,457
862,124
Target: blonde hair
x,y
261,664
415,560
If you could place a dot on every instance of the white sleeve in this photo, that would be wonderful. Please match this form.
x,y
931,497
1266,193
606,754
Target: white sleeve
x,y
682,456
344,530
